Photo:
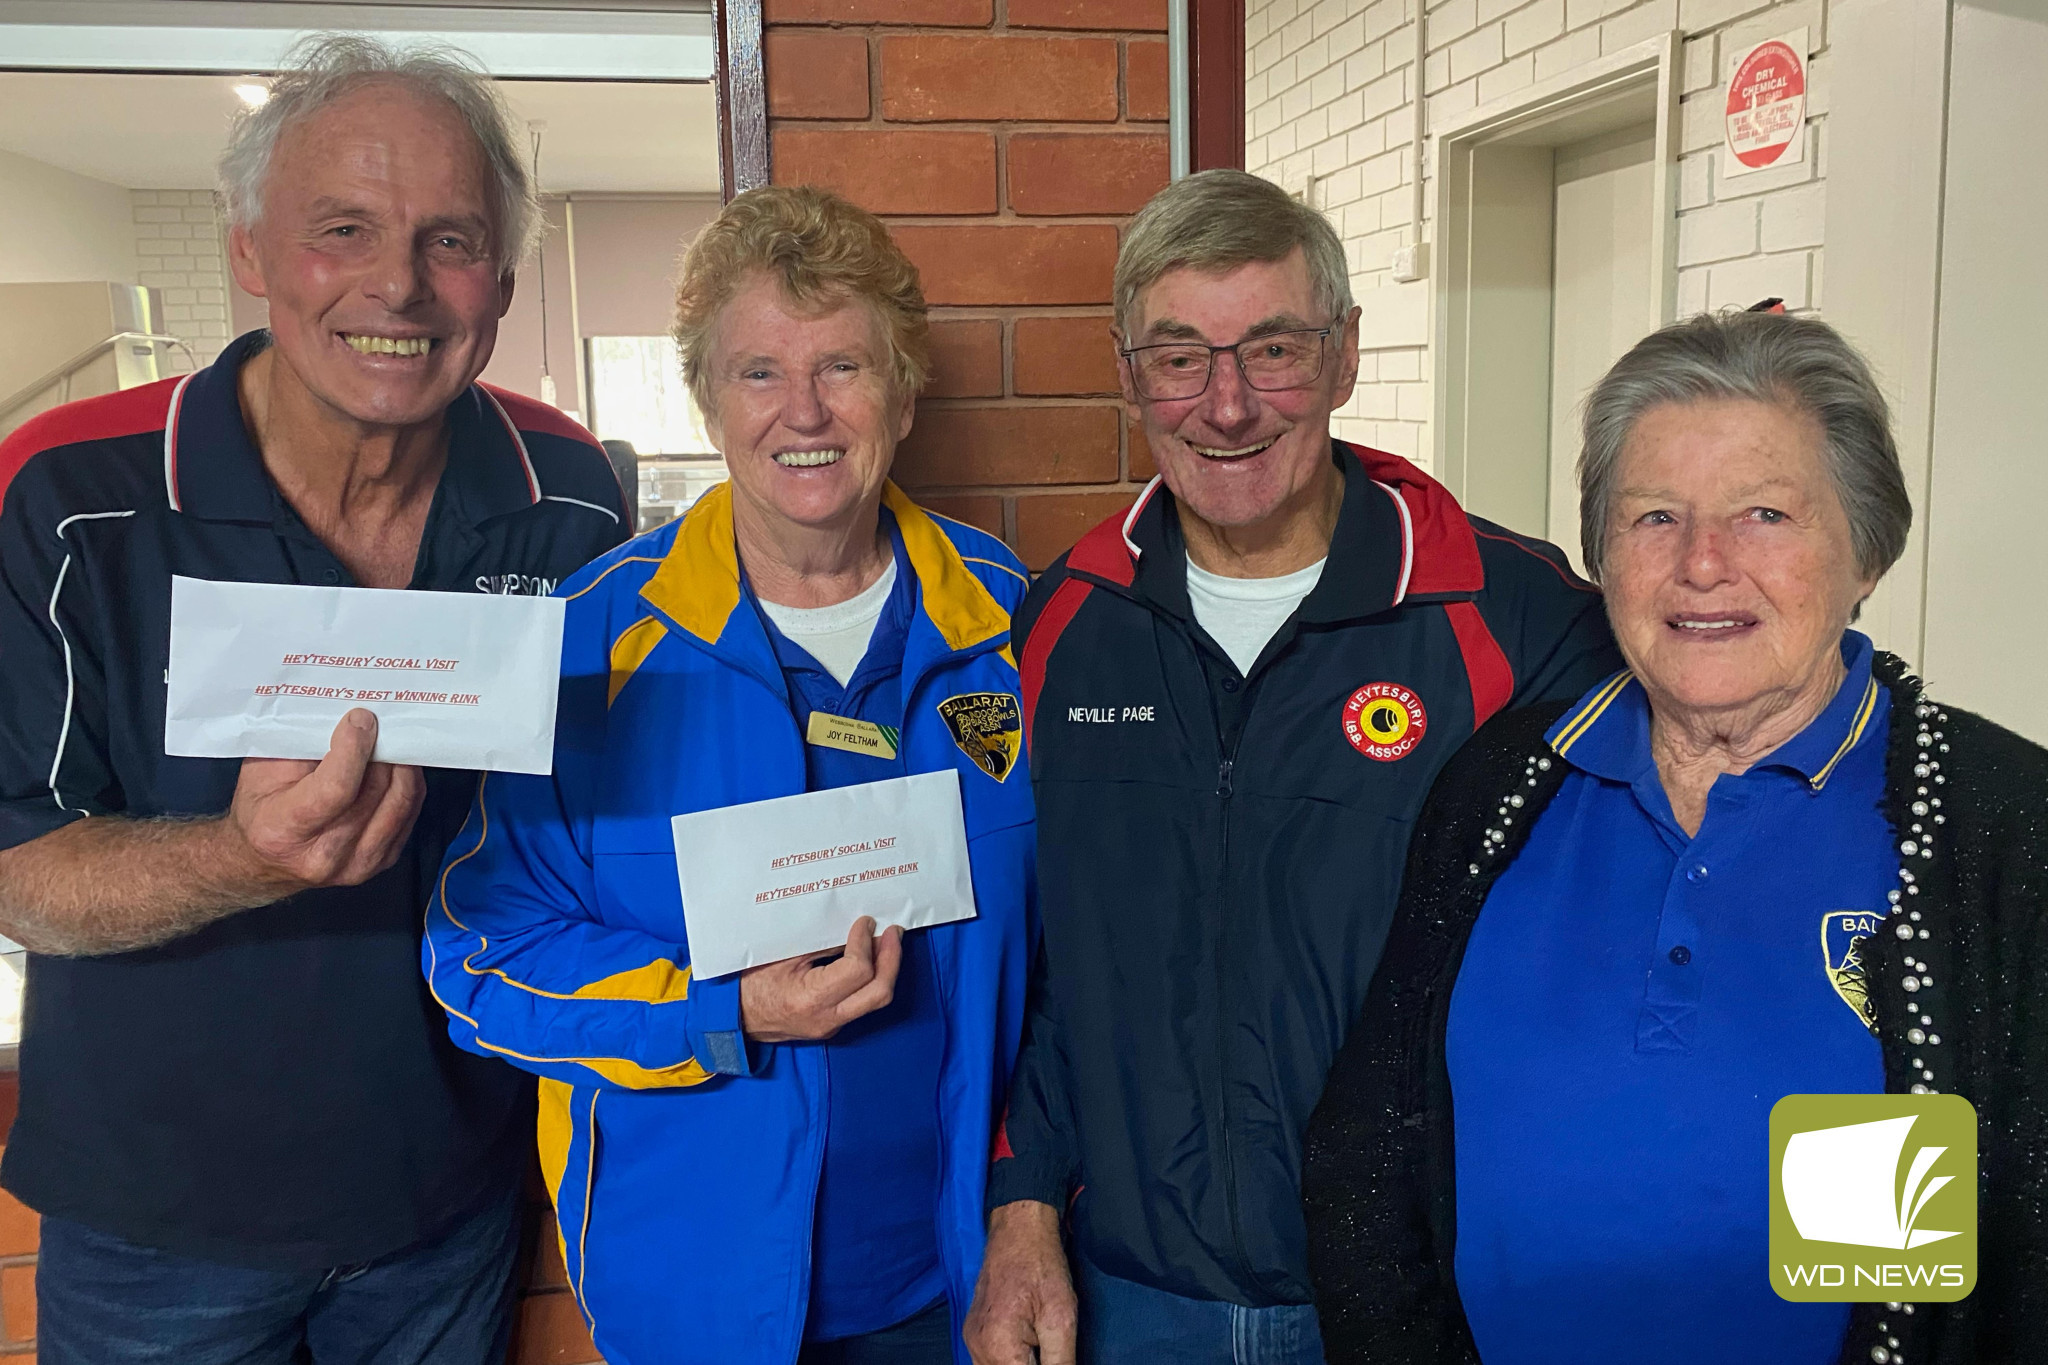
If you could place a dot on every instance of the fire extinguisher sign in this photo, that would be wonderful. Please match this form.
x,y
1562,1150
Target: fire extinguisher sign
x,y
1766,110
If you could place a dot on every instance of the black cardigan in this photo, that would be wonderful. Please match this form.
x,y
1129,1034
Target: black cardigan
x,y
1378,1180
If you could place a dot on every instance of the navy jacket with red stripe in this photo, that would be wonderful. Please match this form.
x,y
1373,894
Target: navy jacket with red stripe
x,y
1219,855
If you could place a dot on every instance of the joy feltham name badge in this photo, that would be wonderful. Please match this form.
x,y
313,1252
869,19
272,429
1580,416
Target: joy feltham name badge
x,y
854,736
457,680
773,879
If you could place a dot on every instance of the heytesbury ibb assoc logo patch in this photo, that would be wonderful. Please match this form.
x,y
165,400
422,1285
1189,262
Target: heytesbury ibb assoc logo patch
x,y
1873,1198
988,727
1385,721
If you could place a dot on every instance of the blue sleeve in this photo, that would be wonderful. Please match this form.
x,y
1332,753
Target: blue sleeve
x,y
528,973
517,951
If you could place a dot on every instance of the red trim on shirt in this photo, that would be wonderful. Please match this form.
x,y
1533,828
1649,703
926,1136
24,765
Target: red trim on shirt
x,y
1446,554
1442,555
1486,667
530,414
131,412
1572,580
1102,552
1058,614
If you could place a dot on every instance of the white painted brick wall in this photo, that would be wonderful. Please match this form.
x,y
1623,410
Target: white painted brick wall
x,y
178,251
1329,91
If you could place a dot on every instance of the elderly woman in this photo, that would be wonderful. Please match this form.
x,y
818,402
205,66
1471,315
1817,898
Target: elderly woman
x,y
784,1163
1759,862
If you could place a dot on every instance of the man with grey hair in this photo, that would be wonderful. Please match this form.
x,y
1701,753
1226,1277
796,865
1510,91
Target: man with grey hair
x,y
242,1119
1237,695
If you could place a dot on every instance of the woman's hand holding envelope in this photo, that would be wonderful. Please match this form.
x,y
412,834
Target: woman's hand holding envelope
x,y
795,1001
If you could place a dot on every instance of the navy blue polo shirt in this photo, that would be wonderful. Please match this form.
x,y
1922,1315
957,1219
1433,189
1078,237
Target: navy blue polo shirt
x,y
278,1089
874,1239
1632,1003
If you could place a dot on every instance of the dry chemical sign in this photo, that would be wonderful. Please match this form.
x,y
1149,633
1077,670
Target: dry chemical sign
x,y
1766,110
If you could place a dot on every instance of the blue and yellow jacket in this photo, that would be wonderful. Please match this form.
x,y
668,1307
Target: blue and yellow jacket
x,y
683,1160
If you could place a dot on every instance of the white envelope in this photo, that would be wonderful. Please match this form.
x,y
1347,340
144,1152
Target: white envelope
x,y
457,680
772,879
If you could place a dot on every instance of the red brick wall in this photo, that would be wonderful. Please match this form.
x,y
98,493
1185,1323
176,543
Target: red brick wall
x,y
19,1232
1005,141
549,1329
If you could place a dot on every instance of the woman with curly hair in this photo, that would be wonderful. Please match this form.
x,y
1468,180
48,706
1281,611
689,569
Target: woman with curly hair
x,y
786,1162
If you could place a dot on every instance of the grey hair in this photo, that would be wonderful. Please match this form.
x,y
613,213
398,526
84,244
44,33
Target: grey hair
x,y
1799,363
1213,220
325,67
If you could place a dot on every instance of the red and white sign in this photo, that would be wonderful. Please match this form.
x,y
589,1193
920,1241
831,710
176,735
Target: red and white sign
x,y
1766,109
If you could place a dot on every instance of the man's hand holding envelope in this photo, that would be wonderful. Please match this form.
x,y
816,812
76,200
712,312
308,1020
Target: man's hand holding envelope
x,y
274,674
297,824
294,825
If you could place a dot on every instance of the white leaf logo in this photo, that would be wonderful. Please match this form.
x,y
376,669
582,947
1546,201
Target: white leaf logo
x,y
1842,1185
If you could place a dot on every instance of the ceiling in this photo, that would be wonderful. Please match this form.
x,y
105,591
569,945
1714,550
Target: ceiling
x,y
163,132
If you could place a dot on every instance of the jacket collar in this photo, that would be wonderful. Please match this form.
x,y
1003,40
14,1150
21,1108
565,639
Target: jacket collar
x,y
213,470
1400,536
697,585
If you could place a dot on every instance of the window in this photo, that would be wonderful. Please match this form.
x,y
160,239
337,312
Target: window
x,y
668,487
637,395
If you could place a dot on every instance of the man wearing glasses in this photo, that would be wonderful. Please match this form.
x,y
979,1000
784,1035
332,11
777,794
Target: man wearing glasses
x,y
1236,696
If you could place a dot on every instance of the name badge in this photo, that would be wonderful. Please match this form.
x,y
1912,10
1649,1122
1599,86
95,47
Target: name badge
x,y
854,736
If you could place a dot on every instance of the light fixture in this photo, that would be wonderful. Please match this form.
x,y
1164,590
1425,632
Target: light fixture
x,y
252,93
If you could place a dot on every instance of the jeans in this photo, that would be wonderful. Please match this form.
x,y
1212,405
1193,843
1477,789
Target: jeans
x,y
925,1339
1123,1323
102,1300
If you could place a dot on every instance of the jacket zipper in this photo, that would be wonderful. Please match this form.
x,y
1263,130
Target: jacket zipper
x,y
1225,789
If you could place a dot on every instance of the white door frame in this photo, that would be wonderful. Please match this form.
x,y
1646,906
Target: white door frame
x,y
1453,150
1887,165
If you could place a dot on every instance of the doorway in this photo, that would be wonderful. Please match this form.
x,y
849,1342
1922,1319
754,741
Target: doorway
x,y
1937,133
1555,211
116,274
1600,301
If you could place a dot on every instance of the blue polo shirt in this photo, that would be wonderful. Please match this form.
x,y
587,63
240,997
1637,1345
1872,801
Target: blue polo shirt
x,y
1632,1002
874,1239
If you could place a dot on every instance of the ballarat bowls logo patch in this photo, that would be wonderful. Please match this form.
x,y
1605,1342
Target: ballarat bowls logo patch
x,y
1385,721
988,727
1843,935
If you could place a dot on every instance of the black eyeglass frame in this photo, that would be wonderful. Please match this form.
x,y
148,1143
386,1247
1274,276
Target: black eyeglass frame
x,y
1322,334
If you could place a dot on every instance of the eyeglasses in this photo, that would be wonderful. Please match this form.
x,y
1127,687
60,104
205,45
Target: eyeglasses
x,y
1181,369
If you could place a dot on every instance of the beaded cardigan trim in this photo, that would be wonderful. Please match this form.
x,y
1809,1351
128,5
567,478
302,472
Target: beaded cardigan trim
x,y
1912,978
